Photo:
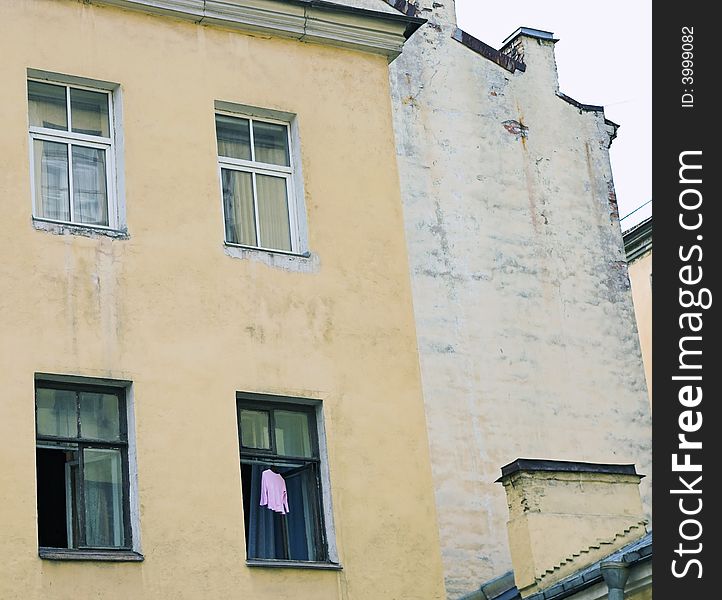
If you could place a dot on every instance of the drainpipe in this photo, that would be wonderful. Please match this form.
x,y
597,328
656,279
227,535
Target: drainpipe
x,y
615,575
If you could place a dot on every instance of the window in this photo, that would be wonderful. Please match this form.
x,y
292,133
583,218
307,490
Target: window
x,y
71,154
281,482
82,467
257,176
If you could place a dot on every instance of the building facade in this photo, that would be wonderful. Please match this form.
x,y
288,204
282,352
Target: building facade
x,y
211,383
638,247
524,316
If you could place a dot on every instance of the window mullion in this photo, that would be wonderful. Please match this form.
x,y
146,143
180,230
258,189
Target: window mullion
x,y
67,107
272,431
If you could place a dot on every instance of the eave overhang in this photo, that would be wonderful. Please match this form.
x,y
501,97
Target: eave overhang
x,y
305,20
638,240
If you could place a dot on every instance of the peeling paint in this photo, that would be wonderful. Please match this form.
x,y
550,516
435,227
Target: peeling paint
x,y
612,197
516,128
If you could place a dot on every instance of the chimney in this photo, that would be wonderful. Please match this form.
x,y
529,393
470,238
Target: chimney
x,y
535,48
564,516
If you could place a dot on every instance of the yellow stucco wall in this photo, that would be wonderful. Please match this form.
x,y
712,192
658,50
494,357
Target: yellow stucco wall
x,y
642,594
640,277
190,325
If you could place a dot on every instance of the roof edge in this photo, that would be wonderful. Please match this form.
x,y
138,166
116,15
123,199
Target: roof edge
x,y
539,34
564,466
317,21
635,553
405,7
638,239
506,61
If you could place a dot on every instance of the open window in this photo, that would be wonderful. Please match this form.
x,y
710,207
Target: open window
x,y
281,482
82,468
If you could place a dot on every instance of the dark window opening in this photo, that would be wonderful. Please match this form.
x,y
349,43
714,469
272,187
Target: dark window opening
x,y
54,530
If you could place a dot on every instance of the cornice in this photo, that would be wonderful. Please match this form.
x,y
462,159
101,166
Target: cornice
x,y
306,20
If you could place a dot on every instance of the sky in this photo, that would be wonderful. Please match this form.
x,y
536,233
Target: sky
x,y
604,57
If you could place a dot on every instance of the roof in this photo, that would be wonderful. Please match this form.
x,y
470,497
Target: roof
x,y
503,587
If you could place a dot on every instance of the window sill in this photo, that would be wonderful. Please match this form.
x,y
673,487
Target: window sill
x,y
300,263
103,555
268,250
91,231
293,564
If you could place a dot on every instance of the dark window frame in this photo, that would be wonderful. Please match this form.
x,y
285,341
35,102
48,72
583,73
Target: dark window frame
x,y
250,456
83,443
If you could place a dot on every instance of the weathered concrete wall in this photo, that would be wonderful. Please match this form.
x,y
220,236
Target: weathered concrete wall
x,y
524,315
190,326
640,277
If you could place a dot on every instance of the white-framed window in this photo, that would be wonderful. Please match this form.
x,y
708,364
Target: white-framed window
x,y
72,154
258,183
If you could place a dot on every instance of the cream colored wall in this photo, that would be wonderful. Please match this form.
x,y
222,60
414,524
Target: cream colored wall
x,y
190,326
640,276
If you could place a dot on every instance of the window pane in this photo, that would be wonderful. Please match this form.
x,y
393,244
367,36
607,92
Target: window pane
x,y
47,105
238,206
89,112
271,143
254,429
292,433
234,138
52,195
99,416
273,212
103,495
90,196
56,412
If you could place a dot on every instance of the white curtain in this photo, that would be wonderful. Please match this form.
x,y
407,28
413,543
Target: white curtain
x,y
273,212
52,191
103,495
238,205
90,195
